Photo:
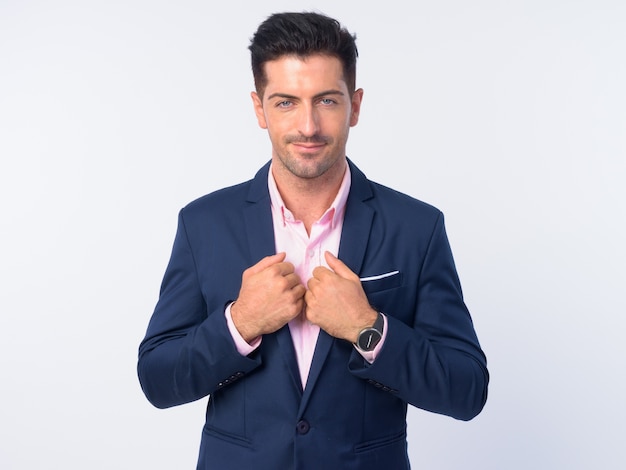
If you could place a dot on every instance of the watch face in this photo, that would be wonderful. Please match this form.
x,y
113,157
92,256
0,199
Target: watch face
x,y
368,339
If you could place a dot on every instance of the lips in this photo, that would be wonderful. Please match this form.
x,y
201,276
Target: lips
x,y
307,141
308,148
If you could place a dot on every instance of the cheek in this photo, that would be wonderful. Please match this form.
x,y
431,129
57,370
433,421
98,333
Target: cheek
x,y
276,135
279,127
343,126
334,124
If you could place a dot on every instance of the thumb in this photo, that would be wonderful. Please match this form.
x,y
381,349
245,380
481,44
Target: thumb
x,y
338,266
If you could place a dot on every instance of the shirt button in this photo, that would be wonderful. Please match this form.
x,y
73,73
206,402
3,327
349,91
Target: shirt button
x,y
311,253
303,427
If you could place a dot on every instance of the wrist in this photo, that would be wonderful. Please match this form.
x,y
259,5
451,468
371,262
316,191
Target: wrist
x,y
241,326
369,336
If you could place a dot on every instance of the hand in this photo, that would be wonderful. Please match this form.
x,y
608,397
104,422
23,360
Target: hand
x,y
336,301
271,295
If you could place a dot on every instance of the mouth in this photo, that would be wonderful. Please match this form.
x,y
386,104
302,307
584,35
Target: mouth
x,y
308,147
308,141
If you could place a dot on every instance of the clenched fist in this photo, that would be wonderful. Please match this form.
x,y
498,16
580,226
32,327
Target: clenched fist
x,y
336,301
271,295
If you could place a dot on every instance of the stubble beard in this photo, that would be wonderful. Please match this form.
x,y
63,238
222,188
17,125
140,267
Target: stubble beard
x,y
308,166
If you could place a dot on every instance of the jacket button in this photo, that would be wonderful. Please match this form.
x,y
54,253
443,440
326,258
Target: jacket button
x,y
303,427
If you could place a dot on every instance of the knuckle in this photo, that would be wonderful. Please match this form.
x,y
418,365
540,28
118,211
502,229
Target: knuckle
x,y
281,283
276,270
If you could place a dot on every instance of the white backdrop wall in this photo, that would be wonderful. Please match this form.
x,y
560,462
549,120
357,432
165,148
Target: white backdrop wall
x,y
508,116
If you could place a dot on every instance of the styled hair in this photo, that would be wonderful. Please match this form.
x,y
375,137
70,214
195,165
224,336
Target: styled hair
x,y
302,35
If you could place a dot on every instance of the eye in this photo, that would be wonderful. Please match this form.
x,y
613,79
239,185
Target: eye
x,y
284,104
327,101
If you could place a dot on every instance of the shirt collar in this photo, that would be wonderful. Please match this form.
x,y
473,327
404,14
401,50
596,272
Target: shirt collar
x,y
335,211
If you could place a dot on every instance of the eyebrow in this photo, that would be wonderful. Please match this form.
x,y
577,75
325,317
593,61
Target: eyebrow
x,y
292,97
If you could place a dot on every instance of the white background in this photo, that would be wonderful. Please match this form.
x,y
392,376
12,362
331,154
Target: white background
x,y
508,116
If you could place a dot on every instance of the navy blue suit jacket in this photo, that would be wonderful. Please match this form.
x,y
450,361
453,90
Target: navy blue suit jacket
x,y
351,415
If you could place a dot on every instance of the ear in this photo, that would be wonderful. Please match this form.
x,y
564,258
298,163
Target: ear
x,y
257,102
357,98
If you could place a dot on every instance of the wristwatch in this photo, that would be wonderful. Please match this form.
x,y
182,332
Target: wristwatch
x,y
369,337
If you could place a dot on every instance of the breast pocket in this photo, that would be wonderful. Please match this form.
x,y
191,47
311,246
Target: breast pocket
x,y
381,282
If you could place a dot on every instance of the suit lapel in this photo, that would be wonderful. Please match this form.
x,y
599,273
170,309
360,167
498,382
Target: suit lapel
x,y
322,348
354,238
285,343
261,242
257,216
352,247
357,222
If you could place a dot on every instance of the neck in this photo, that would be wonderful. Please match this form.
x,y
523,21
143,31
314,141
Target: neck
x,y
308,199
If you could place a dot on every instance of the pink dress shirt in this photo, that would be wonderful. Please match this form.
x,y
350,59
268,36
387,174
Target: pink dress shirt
x,y
305,252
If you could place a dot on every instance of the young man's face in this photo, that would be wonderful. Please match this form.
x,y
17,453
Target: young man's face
x,y
308,111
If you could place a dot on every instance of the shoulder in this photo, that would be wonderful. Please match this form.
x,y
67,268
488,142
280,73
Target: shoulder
x,y
230,199
390,202
400,201
406,213
217,200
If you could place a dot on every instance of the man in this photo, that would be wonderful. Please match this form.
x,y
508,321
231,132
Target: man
x,y
310,304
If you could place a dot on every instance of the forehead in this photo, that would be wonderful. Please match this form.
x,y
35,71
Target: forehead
x,y
290,74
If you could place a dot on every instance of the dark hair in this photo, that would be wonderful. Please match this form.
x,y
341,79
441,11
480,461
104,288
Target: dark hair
x,y
302,35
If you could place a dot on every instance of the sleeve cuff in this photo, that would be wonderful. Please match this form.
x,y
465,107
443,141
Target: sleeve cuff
x,y
242,347
370,356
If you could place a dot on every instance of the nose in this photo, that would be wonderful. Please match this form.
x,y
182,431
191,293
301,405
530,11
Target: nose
x,y
308,124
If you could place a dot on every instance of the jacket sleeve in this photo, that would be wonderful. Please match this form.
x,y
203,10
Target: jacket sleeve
x,y
187,352
436,363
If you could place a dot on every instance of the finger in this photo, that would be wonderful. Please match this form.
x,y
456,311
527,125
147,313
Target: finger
x,y
309,299
313,282
338,266
285,268
293,280
267,262
320,271
299,291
